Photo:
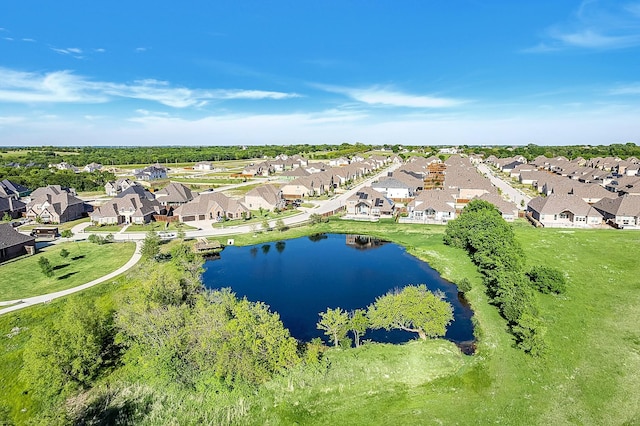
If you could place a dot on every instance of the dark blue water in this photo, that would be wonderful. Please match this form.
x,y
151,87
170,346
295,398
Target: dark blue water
x,y
301,278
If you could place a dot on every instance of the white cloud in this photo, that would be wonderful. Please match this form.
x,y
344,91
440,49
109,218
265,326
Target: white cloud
x,y
68,51
99,50
378,95
29,40
65,87
595,25
629,89
140,49
8,38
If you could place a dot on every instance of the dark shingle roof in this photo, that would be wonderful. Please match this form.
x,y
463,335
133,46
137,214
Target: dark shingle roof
x,y
9,237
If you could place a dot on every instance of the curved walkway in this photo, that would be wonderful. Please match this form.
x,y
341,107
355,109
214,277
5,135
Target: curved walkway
x,y
45,298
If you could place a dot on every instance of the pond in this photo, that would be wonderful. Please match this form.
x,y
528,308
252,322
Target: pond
x,y
302,277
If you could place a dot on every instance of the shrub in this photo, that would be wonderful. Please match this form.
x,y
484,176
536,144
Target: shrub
x,y
546,279
464,285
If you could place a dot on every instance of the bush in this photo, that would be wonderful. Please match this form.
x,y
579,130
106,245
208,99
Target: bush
x,y
464,285
547,280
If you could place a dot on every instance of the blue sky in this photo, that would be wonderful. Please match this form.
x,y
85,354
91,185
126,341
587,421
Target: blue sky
x,y
418,72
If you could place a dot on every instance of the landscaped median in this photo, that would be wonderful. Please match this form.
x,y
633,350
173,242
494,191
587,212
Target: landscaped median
x,y
84,263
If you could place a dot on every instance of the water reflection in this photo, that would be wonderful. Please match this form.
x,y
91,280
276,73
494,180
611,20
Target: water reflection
x,y
363,242
317,237
280,245
266,248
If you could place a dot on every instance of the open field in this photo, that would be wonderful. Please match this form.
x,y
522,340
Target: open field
x,y
86,262
588,375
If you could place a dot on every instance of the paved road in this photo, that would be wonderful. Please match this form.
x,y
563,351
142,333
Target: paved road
x,y
514,194
321,207
29,301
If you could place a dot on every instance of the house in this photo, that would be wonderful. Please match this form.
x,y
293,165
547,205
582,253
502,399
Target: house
x,y
13,243
393,188
267,197
433,207
303,187
134,205
173,195
563,211
64,166
13,190
153,172
508,210
92,167
203,165
54,204
369,202
113,188
622,212
294,173
11,207
212,206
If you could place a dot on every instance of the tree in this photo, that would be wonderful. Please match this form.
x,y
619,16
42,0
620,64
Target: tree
x,y
69,352
547,279
265,224
66,233
64,253
6,217
45,267
150,245
358,325
414,309
280,226
335,323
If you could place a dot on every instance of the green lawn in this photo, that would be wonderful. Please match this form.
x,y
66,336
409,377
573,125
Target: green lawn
x,y
590,373
85,263
103,228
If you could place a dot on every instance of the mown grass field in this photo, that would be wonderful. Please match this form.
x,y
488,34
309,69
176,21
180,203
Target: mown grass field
x,y
86,262
590,373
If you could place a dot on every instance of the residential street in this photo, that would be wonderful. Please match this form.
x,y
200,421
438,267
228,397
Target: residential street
x,y
514,195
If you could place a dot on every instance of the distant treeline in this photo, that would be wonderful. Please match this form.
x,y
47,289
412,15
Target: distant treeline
x,y
178,154
38,176
532,151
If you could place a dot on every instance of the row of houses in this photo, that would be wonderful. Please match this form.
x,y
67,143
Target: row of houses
x,y
579,192
404,191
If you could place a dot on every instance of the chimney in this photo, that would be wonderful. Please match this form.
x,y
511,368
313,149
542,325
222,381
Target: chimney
x,y
11,206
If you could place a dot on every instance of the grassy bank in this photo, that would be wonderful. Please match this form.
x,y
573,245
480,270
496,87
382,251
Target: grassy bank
x,y
85,263
588,374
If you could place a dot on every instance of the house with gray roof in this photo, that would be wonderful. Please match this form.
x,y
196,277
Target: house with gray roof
x,y
55,204
621,212
367,202
173,195
564,211
212,206
267,197
507,209
394,188
431,207
13,243
134,205
13,190
12,207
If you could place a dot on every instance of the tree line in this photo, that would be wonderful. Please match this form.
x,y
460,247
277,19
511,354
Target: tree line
x,y
175,154
40,176
491,245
